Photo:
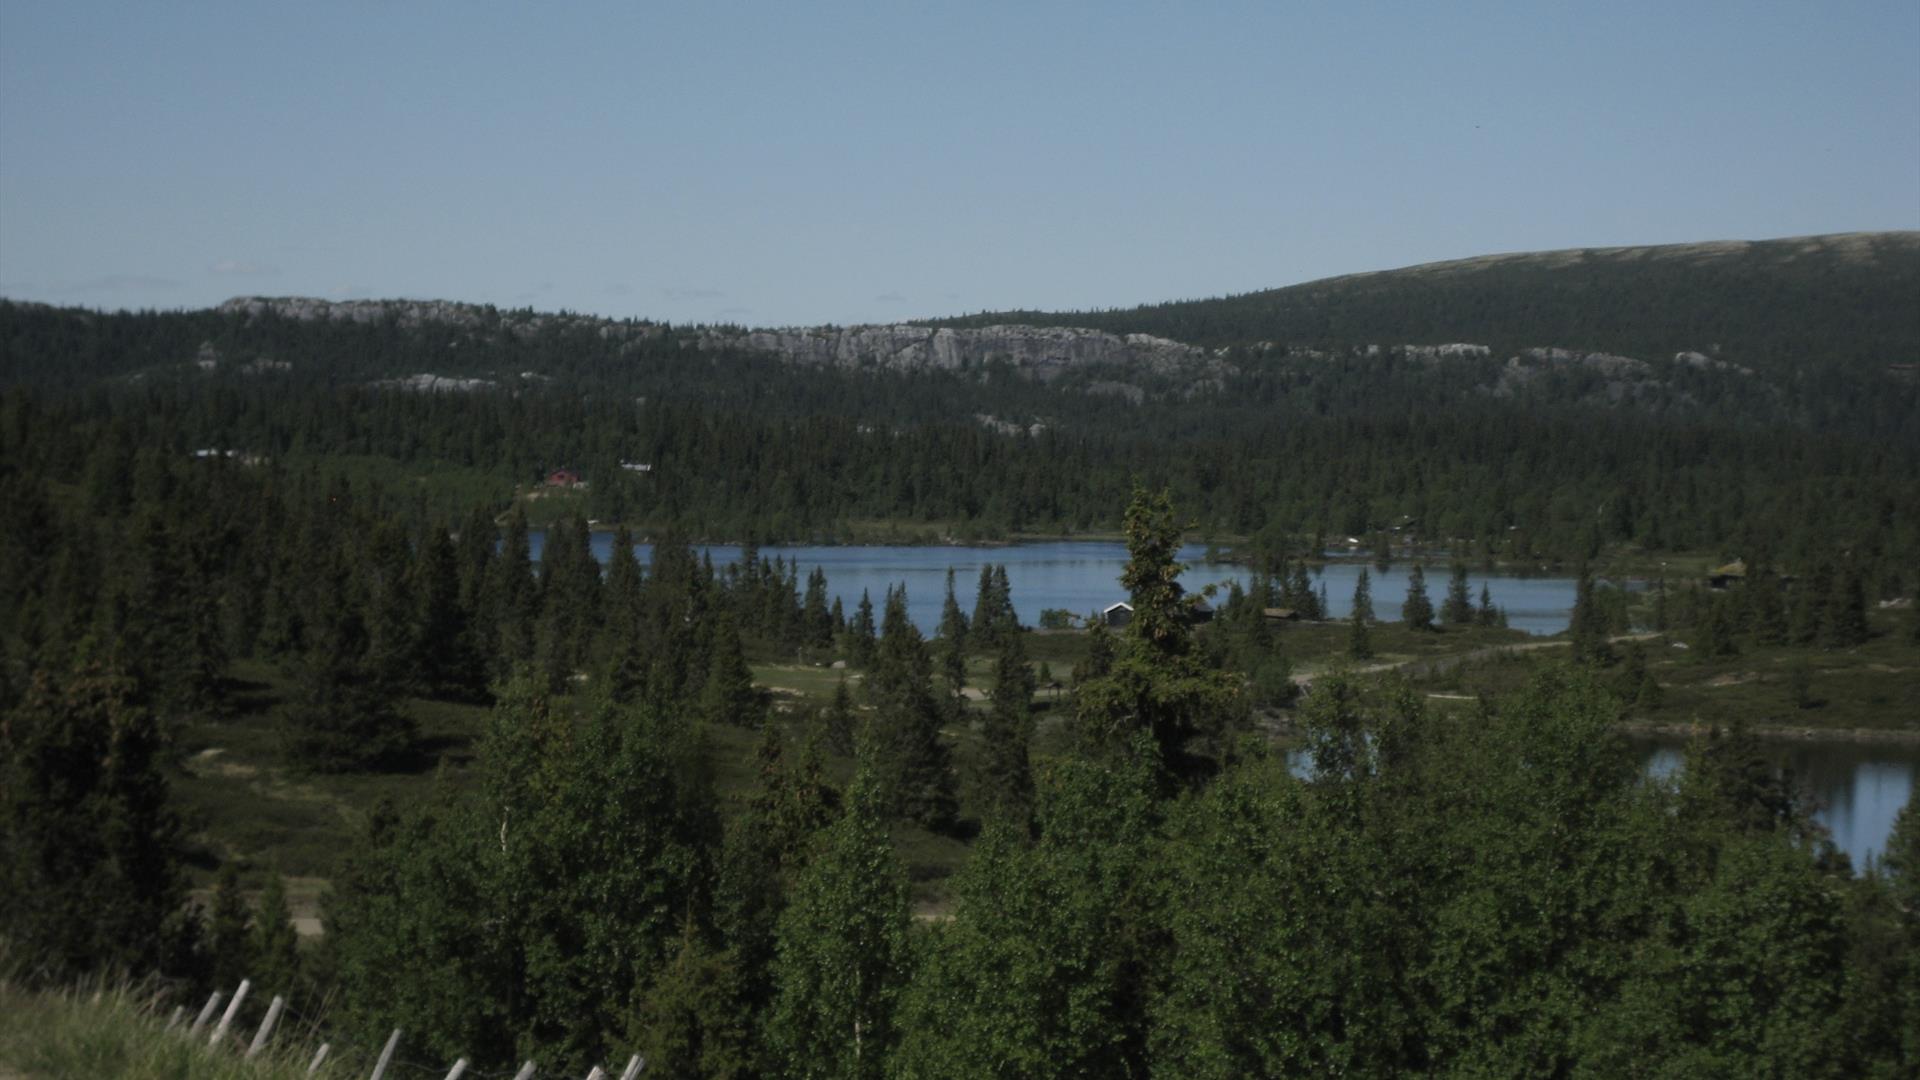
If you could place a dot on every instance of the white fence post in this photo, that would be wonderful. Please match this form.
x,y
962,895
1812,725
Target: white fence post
x,y
174,1020
266,1026
233,1009
319,1056
458,1068
634,1065
525,1073
206,1013
596,1074
386,1055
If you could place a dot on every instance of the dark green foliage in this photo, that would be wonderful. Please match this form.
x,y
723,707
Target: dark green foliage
x,y
1846,624
1458,608
1002,784
1040,973
533,916
912,765
1485,614
842,955
226,944
88,843
1156,685
861,642
1587,626
273,943
1715,637
1359,641
1417,611
728,696
1363,597
953,650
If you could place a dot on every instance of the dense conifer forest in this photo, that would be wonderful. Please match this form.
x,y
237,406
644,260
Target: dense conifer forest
x,y
207,509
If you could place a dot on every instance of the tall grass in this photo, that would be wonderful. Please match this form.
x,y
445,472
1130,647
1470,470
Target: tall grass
x,y
119,1030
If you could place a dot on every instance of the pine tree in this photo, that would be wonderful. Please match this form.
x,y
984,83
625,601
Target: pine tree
x,y
89,843
953,651
274,944
861,644
1417,611
449,665
985,606
1485,615
228,949
1363,597
911,761
1846,624
728,696
1587,627
1458,608
839,720
1359,640
1003,780
814,614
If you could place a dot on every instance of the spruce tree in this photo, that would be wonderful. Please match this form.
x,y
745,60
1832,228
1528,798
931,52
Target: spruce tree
x,y
227,946
1003,780
1458,608
273,943
1587,627
953,651
861,643
1846,624
911,760
839,720
1417,611
1363,597
728,696
985,606
1485,615
1359,639
89,844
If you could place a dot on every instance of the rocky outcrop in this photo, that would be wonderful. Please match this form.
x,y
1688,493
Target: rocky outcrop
x,y
417,313
425,383
1041,352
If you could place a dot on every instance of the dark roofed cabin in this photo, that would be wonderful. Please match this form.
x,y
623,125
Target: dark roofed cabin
x,y
1117,616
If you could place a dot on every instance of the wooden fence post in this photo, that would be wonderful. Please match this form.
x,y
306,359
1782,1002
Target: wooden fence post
x,y
525,1073
380,1068
206,1013
266,1026
319,1056
458,1068
233,1009
634,1065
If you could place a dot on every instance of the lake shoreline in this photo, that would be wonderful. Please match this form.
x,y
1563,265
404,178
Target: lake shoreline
x,y
1781,733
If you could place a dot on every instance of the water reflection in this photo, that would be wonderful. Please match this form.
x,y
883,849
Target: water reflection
x,y
1083,576
1856,788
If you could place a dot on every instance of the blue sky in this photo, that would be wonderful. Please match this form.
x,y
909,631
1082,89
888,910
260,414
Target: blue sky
x,y
804,163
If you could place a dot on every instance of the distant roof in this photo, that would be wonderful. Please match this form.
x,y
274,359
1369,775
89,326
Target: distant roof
x,y
1111,608
1736,568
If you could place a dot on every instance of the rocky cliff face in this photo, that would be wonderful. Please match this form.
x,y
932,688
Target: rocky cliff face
x,y
1042,352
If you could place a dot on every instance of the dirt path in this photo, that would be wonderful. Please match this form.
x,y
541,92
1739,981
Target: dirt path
x,y
1418,666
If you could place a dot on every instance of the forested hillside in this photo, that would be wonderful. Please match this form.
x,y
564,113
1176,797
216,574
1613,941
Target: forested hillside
x,y
1556,455
1780,305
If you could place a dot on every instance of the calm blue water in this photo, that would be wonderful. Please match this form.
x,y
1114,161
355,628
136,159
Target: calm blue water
x,y
1083,576
1856,788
